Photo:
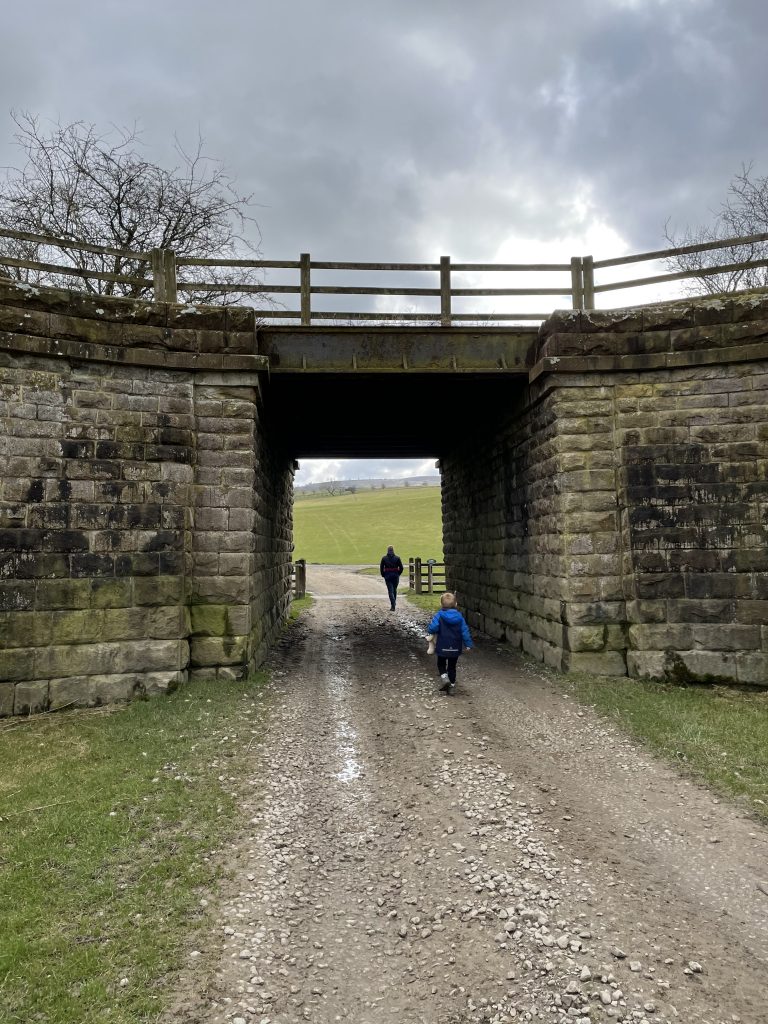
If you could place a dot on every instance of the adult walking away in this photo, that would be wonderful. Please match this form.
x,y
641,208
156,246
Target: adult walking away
x,y
391,569
452,636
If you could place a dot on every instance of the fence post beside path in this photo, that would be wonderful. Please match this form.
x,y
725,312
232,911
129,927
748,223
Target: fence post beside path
x,y
300,578
417,575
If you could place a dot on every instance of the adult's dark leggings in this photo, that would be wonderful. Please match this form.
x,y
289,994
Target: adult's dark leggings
x,y
392,582
447,665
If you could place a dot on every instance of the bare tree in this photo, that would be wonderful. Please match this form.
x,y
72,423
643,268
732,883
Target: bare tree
x,y
744,213
83,185
332,487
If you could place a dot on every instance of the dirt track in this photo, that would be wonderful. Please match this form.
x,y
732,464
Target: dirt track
x,y
501,855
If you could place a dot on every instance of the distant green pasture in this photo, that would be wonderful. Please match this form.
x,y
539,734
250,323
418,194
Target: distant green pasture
x,y
355,529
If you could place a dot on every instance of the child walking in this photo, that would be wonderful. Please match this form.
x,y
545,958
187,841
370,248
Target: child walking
x,y
451,635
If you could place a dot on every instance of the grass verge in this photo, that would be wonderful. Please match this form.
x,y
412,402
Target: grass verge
x,y
429,603
298,606
717,734
109,823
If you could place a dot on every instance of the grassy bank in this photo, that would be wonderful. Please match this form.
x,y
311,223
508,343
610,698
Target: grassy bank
x,y
717,734
108,826
355,529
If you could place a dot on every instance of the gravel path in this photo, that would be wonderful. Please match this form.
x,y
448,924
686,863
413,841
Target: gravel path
x,y
499,855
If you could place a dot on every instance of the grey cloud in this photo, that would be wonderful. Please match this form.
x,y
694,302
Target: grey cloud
x,y
406,131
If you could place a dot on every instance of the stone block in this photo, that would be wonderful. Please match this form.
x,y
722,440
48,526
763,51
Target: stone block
x,y
169,623
232,673
113,688
715,611
60,594
653,637
585,638
594,613
24,629
151,591
552,657
227,650
646,664
209,620
221,589
73,691
726,637
752,669
17,663
605,663
7,694
705,666
75,627
31,698
111,593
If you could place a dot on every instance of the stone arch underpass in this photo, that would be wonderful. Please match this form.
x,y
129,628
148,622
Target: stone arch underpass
x,y
605,483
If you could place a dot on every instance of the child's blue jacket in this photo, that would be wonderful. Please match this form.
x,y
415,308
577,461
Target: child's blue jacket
x,y
452,632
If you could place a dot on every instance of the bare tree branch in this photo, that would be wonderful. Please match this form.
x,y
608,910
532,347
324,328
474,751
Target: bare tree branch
x,y
744,212
78,183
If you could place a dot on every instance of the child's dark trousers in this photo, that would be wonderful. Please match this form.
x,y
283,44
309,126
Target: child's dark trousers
x,y
447,665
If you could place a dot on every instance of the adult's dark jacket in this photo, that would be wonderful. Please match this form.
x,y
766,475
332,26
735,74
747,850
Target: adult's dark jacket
x,y
391,567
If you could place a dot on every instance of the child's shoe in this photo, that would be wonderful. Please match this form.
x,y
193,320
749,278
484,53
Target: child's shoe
x,y
446,682
451,689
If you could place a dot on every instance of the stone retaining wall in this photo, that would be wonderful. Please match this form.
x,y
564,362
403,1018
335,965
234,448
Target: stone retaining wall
x,y
145,525
611,517
619,515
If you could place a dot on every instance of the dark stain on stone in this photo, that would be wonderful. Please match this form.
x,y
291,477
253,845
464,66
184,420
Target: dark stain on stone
x,y
36,490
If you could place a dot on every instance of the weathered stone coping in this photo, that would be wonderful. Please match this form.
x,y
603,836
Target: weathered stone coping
x,y
25,344
701,332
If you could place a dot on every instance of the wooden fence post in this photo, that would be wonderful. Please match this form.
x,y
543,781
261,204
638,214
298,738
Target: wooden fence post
x,y
169,258
306,301
417,575
164,275
300,578
410,574
577,283
430,568
445,291
588,281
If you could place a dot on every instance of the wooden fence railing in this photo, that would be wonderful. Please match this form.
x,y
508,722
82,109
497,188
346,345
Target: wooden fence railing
x,y
426,576
168,276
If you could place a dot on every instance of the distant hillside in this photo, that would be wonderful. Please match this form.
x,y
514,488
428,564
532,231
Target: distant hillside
x,y
355,529
433,480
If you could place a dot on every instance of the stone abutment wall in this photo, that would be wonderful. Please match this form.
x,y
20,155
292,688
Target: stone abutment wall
x,y
145,514
615,519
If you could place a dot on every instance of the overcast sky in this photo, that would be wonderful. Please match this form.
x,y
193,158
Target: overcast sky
x,y
491,130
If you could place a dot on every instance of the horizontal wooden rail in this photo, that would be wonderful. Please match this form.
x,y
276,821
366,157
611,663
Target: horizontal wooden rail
x,y
56,268
71,243
681,275
426,576
579,286
682,250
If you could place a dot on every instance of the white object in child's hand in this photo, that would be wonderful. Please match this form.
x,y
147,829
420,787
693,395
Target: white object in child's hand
x,y
431,645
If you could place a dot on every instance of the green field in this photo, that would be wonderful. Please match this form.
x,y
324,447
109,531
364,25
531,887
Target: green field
x,y
355,529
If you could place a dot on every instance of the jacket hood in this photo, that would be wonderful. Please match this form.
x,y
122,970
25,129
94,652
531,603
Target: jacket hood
x,y
451,614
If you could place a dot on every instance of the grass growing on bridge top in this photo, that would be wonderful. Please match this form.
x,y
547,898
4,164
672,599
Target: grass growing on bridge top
x,y
355,529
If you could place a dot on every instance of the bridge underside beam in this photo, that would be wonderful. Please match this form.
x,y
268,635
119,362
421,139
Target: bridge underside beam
x,y
370,416
397,349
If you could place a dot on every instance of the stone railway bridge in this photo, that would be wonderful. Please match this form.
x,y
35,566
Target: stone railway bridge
x,y
605,483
